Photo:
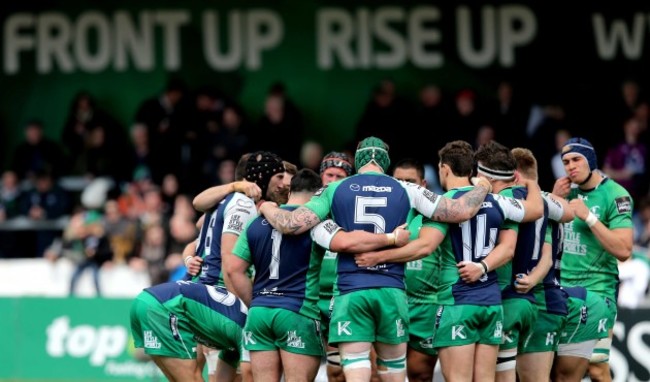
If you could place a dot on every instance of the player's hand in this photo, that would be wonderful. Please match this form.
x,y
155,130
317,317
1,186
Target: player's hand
x,y
250,189
469,271
264,205
579,208
523,283
479,180
562,187
402,235
367,259
193,264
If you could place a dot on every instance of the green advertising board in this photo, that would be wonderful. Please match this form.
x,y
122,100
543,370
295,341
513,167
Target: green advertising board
x,y
69,339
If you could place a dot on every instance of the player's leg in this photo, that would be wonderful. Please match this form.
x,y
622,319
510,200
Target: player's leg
x,y
334,369
227,367
211,357
177,369
420,366
391,361
599,363
534,367
457,362
519,317
266,366
535,357
299,367
355,359
485,362
301,347
392,328
421,356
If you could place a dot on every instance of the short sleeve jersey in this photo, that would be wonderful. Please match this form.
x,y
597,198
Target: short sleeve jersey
x,y
585,262
230,216
372,202
286,267
473,240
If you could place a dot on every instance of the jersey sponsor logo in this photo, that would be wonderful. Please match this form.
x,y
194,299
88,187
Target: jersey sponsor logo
x,y
243,211
486,205
330,226
235,224
151,341
432,196
271,292
458,331
355,187
343,327
378,188
294,340
246,203
623,204
514,203
265,222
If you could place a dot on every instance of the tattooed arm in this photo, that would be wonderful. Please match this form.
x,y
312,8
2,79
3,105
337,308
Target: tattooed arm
x,y
444,209
289,222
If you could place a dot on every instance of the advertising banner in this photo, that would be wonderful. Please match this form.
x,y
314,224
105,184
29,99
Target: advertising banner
x,y
86,339
329,54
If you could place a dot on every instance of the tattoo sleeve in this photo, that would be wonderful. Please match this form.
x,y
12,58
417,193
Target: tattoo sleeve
x,y
461,209
292,222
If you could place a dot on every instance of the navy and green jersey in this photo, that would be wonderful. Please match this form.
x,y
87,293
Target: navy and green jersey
x,y
230,216
530,241
548,294
473,240
372,202
202,305
421,275
584,261
286,267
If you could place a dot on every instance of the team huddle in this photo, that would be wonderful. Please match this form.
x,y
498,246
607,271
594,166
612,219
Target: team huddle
x,y
495,279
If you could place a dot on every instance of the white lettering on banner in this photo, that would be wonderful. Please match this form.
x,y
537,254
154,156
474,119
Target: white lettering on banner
x,y
98,343
504,29
65,44
352,40
629,40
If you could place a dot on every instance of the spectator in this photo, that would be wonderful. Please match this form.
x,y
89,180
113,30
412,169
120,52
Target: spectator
x,y
311,154
9,195
163,117
37,153
626,161
44,201
280,130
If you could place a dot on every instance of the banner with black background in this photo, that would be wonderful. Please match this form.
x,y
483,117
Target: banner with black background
x,y
328,53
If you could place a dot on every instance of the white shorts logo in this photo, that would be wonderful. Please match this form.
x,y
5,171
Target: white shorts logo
x,y
151,341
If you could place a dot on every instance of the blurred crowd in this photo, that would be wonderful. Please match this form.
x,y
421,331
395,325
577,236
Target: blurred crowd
x,y
125,189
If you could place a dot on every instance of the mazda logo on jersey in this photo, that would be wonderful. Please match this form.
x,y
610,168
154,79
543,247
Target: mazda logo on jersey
x,y
355,187
265,222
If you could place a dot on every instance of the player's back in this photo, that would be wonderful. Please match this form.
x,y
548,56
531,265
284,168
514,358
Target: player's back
x,y
471,240
376,203
286,269
231,215
530,241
